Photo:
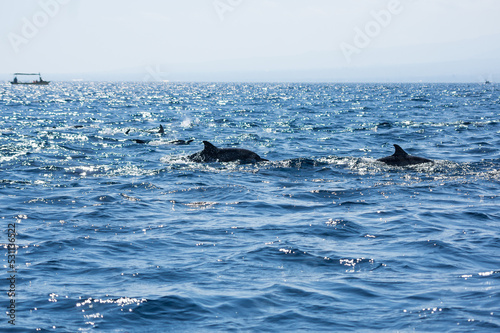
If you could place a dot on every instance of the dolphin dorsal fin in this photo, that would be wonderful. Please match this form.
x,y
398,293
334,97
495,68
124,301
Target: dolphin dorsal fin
x,y
210,148
399,151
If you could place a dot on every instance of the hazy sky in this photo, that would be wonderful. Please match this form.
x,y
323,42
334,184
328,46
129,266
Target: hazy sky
x,y
259,40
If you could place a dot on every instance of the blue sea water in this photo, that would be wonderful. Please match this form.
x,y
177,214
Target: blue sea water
x,y
117,236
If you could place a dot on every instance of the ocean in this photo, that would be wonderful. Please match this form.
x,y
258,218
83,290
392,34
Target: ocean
x,y
107,227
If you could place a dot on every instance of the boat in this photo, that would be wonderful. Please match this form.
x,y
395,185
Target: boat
x,y
40,81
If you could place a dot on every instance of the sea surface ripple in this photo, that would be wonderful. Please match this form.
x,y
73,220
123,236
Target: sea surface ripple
x,y
114,235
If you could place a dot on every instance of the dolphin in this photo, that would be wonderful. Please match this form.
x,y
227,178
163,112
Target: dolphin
x,y
213,154
402,158
161,130
175,142
181,142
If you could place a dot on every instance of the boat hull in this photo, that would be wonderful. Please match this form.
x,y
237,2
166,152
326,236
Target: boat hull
x,y
44,83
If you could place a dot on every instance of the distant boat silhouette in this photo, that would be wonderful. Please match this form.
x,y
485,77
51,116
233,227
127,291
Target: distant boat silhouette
x,y
39,82
487,82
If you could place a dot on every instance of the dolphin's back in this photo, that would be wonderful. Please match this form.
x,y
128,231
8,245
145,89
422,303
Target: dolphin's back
x,y
211,153
233,154
402,158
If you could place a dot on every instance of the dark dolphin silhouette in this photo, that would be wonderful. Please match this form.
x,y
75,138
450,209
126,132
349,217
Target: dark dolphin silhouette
x,y
402,158
181,142
160,130
175,142
213,154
